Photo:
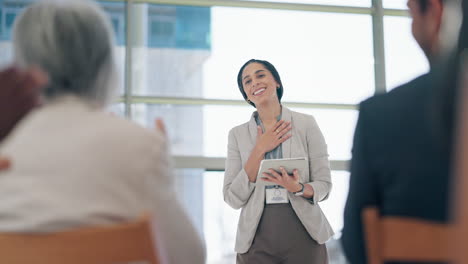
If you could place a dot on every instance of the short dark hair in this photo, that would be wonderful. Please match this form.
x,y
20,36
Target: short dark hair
x,y
270,68
423,5
463,37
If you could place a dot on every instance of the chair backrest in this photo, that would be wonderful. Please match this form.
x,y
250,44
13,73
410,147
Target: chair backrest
x,y
395,238
117,244
461,168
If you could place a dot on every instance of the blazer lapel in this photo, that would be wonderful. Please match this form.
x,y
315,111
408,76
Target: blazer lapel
x,y
286,115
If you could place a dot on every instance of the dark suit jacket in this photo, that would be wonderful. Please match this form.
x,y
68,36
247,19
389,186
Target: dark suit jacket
x,y
399,162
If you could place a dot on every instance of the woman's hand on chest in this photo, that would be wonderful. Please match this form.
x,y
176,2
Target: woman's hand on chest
x,y
273,136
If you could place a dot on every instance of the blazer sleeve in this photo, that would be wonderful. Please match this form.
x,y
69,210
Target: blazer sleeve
x,y
362,192
236,188
319,166
179,241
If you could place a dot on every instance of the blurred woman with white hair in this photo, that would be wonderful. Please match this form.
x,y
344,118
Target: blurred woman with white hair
x,y
72,163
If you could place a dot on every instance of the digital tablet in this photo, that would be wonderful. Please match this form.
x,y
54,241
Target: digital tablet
x,y
288,164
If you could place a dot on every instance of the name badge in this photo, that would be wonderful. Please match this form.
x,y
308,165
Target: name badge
x,y
275,194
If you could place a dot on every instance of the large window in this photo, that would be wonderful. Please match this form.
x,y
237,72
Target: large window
x,y
404,58
397,4
179,62
363,3
9,9
309,50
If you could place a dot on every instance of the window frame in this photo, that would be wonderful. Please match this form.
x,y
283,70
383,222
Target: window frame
x,y
376,11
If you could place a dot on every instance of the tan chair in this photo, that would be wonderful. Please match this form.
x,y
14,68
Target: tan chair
x,y
393,238
461,171
116,244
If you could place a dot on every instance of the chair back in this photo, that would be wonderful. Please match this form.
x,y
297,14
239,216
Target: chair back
x,y
461,167
395,238
117,244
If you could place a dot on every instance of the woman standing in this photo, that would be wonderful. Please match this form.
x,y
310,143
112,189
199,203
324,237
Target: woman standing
x,y
294,231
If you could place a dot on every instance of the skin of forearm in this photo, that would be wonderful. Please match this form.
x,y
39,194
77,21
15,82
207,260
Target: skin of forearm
x,y
308,191
253,163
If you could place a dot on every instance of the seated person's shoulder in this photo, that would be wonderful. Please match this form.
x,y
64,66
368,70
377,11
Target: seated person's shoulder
x,y
402,95
129,132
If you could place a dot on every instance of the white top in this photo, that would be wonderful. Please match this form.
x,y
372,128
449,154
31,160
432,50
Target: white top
x,y
76,166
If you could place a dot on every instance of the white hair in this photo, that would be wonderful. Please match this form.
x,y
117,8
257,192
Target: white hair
x,y
72,41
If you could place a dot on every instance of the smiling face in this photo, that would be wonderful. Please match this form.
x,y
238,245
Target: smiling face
x,y
259,84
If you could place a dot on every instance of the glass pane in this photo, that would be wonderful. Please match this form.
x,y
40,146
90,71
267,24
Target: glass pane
x,y
194,130
404,59
220,223
190,188
337,127
397,4
10,9
117,109
333,207
306,47
203,130
116,13
220,220
361,3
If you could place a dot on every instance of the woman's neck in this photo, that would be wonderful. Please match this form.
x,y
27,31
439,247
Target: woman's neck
x,y
269,113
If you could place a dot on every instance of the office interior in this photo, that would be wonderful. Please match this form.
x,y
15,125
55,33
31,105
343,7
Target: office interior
x,y
179,59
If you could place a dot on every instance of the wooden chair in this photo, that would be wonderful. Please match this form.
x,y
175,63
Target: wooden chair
x,y
394,238
116,244
461,171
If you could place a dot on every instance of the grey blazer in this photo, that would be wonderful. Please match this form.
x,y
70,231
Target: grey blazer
x,y
306,141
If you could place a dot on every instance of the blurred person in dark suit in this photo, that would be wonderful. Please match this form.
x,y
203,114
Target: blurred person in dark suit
x,y
402,148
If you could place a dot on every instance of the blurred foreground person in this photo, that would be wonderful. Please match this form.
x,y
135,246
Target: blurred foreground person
x,y
402,150
74,164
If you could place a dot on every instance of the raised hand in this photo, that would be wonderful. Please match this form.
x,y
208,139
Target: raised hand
x,y
273,137
19,93
5,164
159,125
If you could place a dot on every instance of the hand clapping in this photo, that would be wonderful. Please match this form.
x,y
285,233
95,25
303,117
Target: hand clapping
x,y
4,163
19,93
